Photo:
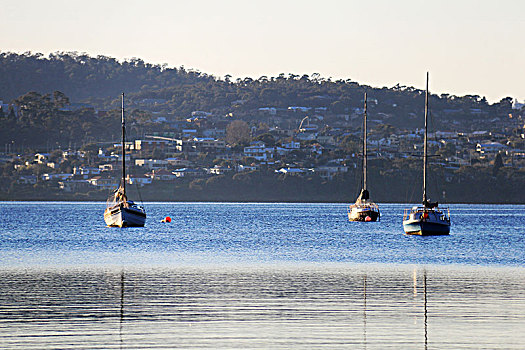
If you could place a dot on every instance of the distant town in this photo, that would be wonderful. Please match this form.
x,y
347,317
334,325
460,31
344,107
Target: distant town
x,y
248,151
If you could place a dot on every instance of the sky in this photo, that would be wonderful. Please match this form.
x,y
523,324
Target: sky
x,y
472,47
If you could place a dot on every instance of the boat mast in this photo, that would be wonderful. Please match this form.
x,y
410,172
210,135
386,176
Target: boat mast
x,y
425,149
364,148
123,149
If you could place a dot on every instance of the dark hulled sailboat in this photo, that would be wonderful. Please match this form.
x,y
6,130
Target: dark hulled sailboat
x,y
426,219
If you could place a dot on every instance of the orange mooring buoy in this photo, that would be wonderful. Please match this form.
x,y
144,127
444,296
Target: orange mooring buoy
x,y
166,219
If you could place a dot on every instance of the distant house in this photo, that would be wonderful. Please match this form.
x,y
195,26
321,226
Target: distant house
x,y
490,148
316,149
215,132
162,175
187,172
74,185
41,158
517,105
306,136
151,163
291,145
178,162
291,171
72,153
189,132
86,171
138,180
299,109
106,167
103,182
102,155
269,110
326,139
219,170
201,114
241,168
229,155
479,135
259,151
48,177
203,144
150,145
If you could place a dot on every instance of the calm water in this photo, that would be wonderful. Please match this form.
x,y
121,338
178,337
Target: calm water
x,y
265,276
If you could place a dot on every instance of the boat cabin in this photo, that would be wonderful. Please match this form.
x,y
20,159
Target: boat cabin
x,y
426,214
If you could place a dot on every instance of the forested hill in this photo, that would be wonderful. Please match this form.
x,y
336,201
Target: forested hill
x,y
177,91
80,76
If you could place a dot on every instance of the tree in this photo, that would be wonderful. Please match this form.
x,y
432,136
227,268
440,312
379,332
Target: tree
x,y
238,132
11,115
498,164
60,99
267,138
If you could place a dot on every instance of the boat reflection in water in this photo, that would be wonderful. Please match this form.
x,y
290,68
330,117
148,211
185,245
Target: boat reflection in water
x,y
425,317
262,307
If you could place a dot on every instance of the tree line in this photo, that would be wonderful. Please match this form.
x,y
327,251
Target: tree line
x,y
100,80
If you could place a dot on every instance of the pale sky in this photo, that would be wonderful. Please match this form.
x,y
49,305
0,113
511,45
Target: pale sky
x,y
468,46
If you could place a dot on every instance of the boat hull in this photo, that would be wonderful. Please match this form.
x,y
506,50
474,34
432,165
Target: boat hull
x,y
124,217
361,215
426,228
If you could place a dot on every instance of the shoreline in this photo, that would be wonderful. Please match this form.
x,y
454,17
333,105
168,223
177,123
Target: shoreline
x,y
96,200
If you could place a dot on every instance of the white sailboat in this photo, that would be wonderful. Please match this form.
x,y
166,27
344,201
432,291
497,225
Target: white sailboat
x,y
120,211
364,209
426,219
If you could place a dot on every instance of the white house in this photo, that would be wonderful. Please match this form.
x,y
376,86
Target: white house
x,y
259,151
219,170
291,145
85,171
138,180
103,182
186,172
162,175
490,147
41,158
48,177
151,163
291,171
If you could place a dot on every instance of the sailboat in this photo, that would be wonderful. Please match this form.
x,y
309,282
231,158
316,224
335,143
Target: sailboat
x,y
426,219
120,211
364,209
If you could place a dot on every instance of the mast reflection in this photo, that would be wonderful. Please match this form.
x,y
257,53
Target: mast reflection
x,y
425,306
364,311
121,307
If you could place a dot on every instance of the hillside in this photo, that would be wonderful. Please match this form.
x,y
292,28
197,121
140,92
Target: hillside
x,y
177,91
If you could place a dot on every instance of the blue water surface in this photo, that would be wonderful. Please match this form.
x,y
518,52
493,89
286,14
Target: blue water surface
x,y
65,233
